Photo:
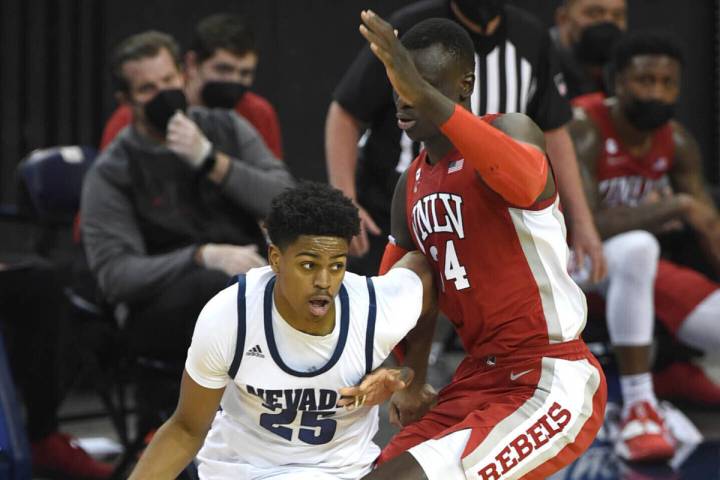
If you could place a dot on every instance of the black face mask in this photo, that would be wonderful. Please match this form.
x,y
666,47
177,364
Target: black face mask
x,y
163,106
648,115
222,94
480,12
596,43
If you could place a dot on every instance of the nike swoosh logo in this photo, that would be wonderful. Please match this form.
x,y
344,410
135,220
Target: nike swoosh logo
x,y
515,376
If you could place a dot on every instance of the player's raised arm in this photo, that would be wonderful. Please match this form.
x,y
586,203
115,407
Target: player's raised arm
x,y
517,170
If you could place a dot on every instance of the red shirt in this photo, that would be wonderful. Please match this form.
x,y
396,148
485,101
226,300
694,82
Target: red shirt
x,y
501,269
256,110
625,179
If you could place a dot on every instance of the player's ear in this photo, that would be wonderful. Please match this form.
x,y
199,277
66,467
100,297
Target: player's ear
x,y
274,255
467,85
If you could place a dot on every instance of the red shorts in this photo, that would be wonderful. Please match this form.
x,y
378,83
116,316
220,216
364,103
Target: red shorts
x,y
527,415
678,290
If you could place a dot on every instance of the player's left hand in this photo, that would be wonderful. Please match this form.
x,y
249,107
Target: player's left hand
x,y
376,387
399,65
186,139
585,241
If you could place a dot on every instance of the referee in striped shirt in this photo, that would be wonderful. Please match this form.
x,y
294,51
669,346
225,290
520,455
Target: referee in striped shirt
x,y
516,71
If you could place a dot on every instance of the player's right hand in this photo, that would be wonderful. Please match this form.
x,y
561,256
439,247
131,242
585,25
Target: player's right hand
x,y
410,404
360,244
399,65
231,259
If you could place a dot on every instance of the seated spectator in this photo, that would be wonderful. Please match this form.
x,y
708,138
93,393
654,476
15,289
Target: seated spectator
x,y
31,311
584,34
170,209
644,178
220,69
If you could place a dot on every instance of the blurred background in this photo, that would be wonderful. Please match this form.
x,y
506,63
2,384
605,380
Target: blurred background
x,y
56,88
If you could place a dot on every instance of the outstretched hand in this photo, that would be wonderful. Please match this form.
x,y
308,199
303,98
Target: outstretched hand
x,y
399,65
376,387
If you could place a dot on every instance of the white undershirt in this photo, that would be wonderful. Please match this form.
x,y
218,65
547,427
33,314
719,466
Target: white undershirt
x,y
301,351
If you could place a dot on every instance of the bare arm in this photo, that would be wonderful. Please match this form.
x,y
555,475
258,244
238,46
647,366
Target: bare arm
x,y
342,131
584,237
700,211
179,439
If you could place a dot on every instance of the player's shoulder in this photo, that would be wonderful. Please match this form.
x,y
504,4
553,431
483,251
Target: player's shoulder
x,y
520,127
219,315
256,279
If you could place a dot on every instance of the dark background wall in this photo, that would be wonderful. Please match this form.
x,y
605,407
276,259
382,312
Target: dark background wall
x,y
55,87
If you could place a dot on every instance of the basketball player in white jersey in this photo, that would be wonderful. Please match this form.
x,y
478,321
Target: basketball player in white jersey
x,y
275,349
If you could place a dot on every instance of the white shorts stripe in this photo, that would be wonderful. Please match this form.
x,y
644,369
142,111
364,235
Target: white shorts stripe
x,y
548,426
546,423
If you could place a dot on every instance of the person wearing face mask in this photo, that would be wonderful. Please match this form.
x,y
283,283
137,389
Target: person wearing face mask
x,y
644,179
584,34
515,72
220,70
170,208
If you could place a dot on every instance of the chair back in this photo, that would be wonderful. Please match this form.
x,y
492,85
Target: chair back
x,y
52,180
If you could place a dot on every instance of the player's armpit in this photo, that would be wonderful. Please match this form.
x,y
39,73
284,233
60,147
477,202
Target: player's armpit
x,y
517,171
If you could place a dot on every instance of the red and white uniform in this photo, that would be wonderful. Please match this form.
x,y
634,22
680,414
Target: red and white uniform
x,y
529,398
625,180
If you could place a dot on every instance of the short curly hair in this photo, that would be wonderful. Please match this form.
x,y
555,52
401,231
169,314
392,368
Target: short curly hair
x,y
451,36
311,208
647,42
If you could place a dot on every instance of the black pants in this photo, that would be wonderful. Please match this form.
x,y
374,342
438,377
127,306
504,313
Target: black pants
x,y
32,308
161,329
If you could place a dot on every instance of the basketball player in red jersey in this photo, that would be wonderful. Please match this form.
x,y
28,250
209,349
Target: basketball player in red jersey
x,y
480,202
643,177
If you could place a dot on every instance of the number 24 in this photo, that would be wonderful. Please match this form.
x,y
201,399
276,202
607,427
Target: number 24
x,y
453,269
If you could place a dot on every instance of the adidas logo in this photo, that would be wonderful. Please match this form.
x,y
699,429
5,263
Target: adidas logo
x,y
255,352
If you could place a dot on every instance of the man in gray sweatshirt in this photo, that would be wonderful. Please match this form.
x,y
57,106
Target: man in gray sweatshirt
x,y
170,209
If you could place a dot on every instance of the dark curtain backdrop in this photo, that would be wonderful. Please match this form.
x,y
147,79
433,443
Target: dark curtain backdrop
x,y
56,89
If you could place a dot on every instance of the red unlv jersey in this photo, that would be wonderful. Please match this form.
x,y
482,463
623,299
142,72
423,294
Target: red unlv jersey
x,y
625,179
502,269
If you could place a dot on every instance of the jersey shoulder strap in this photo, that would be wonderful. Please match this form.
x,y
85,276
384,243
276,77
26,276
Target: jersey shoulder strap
x,y
240,341
370,329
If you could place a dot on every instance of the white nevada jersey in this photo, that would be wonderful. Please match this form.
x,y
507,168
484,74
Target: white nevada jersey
x,y
278,416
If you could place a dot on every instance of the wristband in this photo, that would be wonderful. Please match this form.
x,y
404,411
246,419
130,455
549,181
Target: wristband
x,y
208,163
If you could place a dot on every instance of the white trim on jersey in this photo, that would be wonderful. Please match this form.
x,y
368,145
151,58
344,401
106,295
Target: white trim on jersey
x,y
557,392
542,237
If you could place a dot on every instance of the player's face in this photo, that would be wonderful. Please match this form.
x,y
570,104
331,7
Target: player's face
x,y
584,13
439,70
309,274
649,77
225,66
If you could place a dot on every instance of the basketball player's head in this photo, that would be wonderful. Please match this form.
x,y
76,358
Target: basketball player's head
x,y
445,57
648,67
310,228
